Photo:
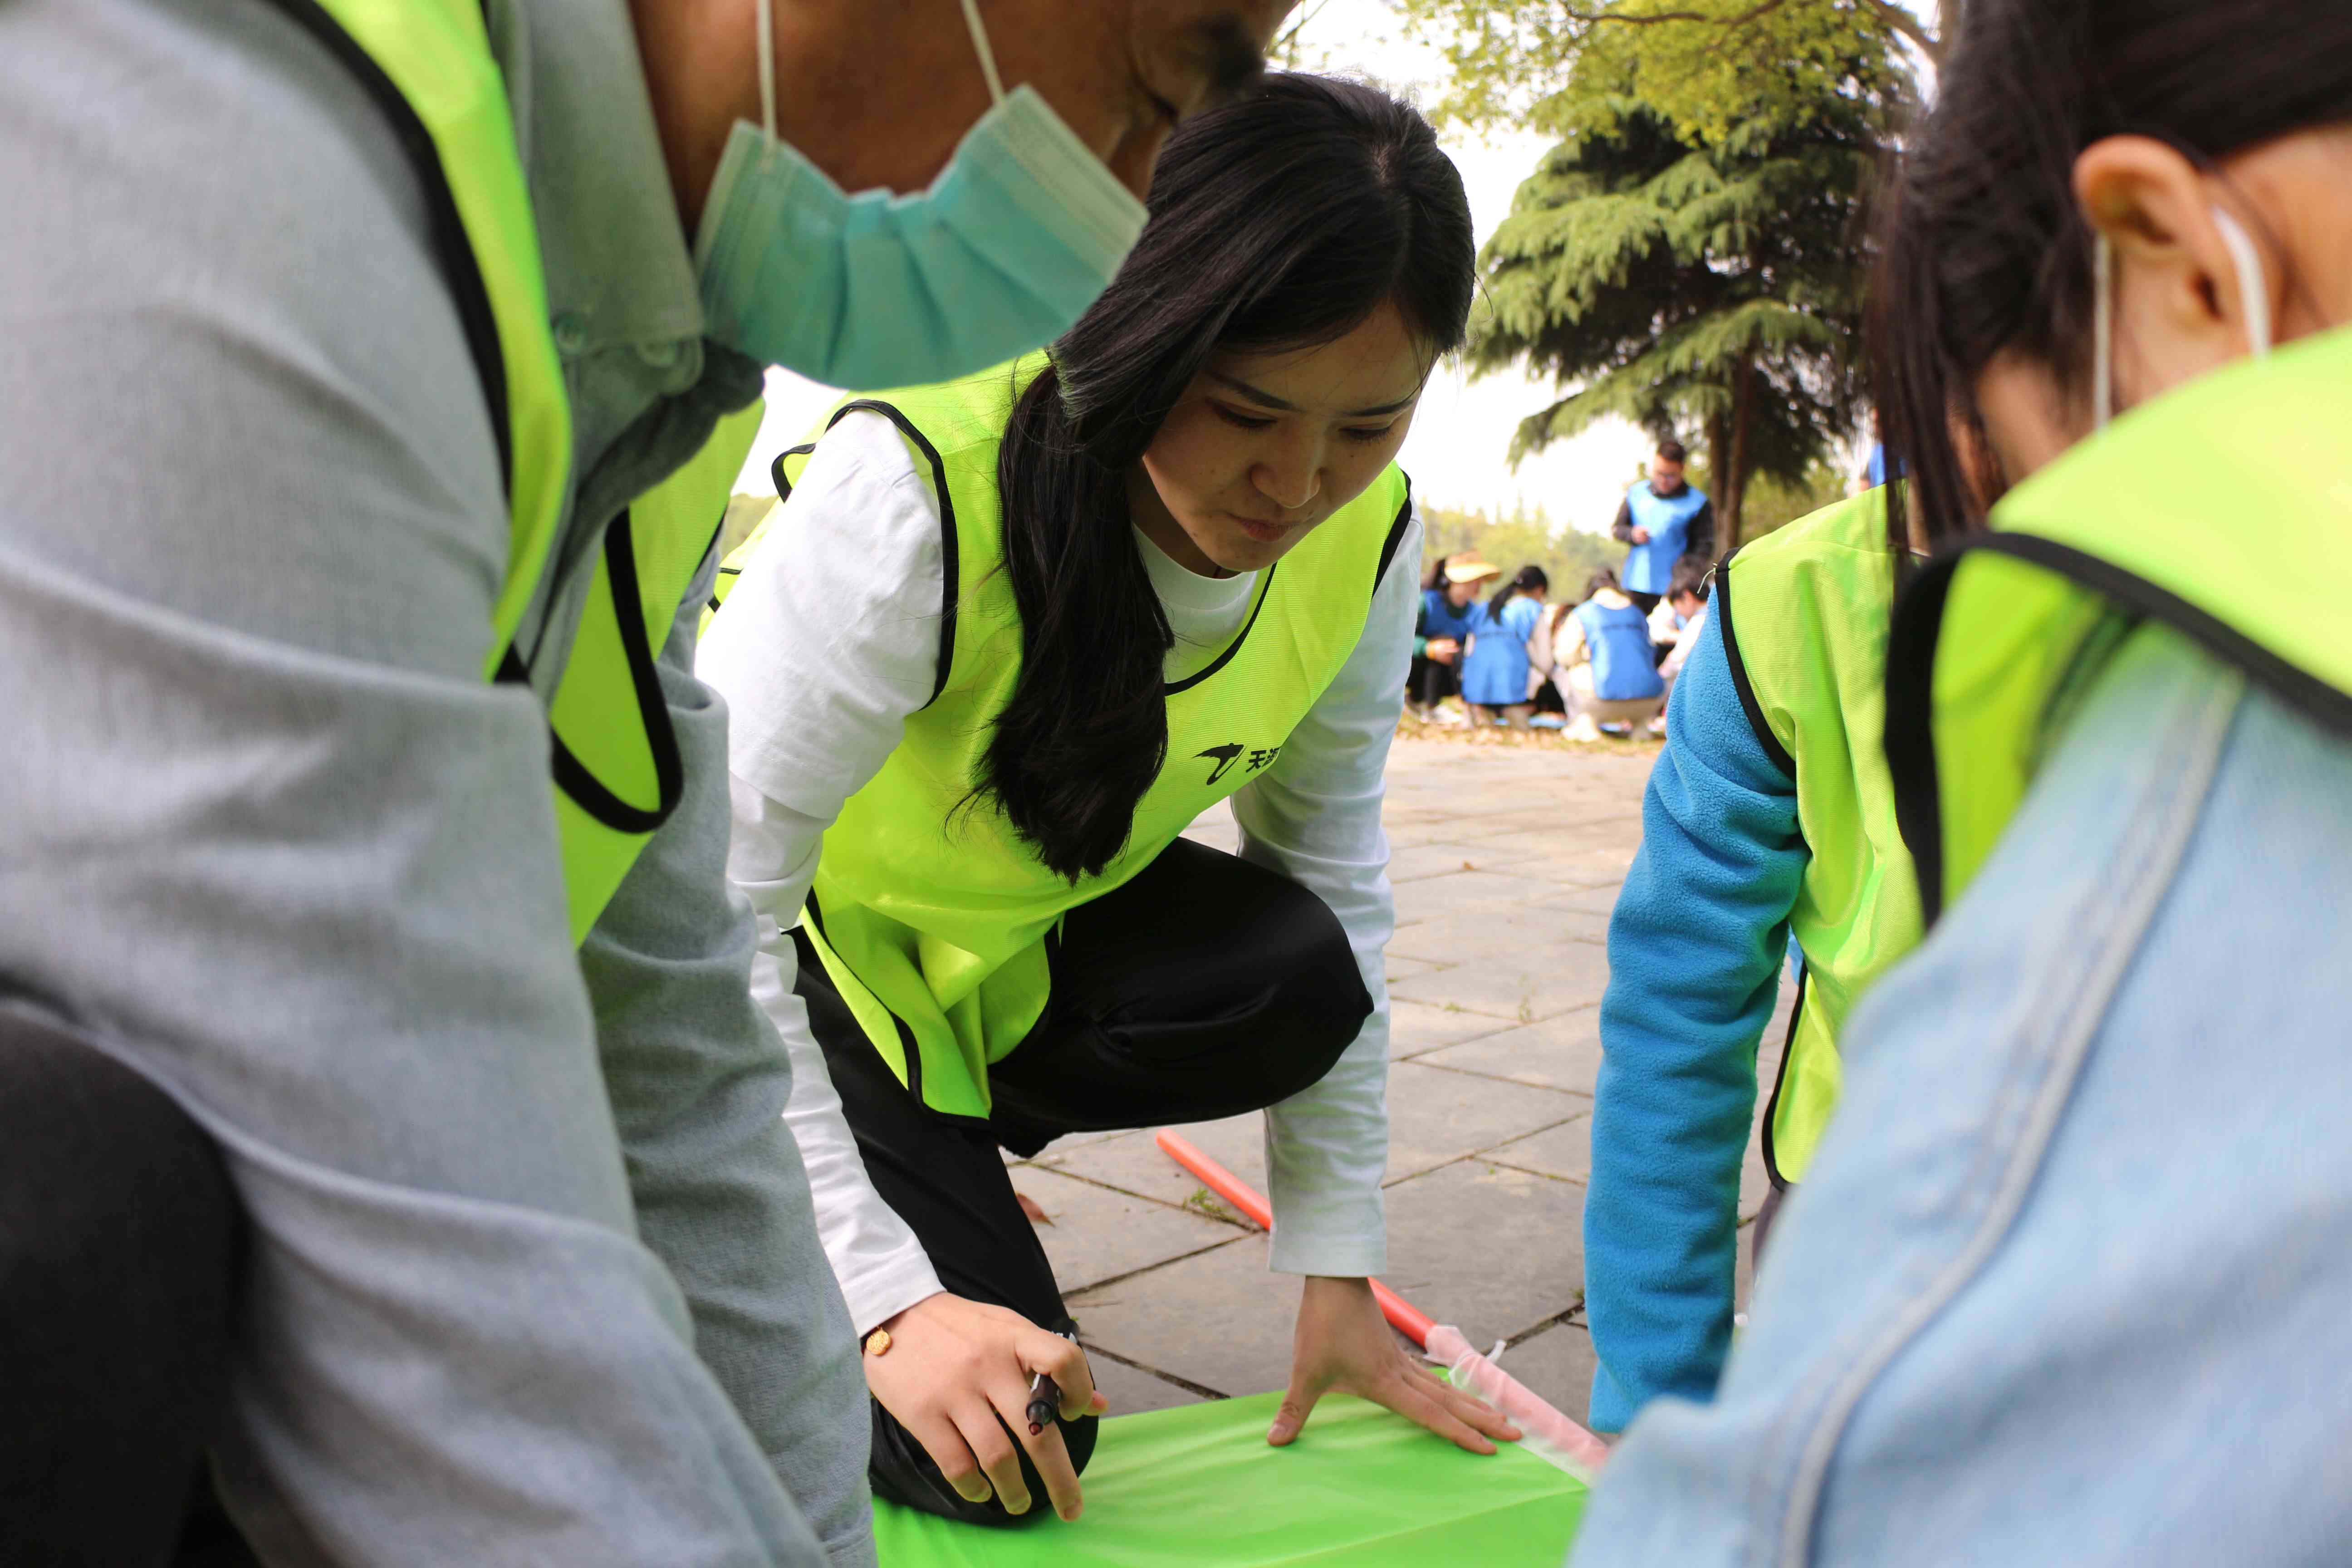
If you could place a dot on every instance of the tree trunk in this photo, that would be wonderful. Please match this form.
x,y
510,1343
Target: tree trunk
x,y
1718,466
1734,467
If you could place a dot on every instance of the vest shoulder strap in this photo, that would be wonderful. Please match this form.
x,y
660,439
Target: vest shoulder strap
x,y
428,67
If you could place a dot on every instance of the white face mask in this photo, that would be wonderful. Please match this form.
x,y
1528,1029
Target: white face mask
x,y
2253,298
1011,243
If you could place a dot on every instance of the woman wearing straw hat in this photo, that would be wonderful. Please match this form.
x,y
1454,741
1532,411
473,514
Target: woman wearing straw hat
x,y
1448,605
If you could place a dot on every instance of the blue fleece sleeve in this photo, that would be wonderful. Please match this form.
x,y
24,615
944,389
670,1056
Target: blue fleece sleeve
x,y
1695,948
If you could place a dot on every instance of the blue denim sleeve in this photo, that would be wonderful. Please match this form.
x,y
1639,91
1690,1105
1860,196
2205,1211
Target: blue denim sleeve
x,y
1695,948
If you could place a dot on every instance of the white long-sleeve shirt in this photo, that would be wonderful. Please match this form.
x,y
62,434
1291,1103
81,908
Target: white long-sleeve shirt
x,y
831,639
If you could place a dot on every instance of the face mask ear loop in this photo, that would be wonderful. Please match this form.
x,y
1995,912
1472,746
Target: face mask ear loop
x,y
766,13
2102,333
979,47
2252,295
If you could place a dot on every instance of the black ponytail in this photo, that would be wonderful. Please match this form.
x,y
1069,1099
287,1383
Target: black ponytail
x,y
1283,219
1529,579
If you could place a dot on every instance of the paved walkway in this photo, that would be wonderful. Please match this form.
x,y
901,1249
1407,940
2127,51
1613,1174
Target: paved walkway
x,y
1507,862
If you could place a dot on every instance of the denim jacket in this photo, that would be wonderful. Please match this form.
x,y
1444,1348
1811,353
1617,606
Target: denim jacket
x,y
2070,1281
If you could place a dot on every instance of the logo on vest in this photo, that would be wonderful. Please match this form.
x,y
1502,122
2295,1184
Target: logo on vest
x,y
1225,756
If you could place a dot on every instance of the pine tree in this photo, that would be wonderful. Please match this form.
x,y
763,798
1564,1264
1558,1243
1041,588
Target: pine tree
x,y
1685,285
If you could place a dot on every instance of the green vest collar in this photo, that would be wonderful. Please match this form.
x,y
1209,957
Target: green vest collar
x,y
2197,512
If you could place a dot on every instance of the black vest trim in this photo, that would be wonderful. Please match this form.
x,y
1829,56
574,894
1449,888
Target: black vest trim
x,y
1910,732
446,231
1910,678
2323,704
776,469
1721,610
1396,533
950,549
783,493
1787,1049
1266,591
572,775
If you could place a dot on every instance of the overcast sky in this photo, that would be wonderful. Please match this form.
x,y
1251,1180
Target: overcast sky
x,y
1458,451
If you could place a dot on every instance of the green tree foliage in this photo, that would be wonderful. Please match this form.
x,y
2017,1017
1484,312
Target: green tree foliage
x,y
1772,502
1522,538
1702,66
1697,270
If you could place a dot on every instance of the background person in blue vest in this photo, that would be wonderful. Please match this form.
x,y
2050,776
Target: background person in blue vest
x,y
1602,663
2083,1224
1495,668
1449,608
1663,518
1684,601
320,1140
1188,536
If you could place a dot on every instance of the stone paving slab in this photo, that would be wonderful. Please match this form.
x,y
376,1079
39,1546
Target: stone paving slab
x,y
1098,1233
1132,1391
1492,1250
1418,1027
1564,1152
1218,1318
1599,900
1132,1162
1461,890
1436,1117
1475,929
1524,988
1562,1052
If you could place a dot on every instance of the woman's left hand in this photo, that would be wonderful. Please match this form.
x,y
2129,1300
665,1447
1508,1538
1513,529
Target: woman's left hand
x,y
1343,1342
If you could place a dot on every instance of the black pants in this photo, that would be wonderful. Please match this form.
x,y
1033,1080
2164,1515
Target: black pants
x,y
1643,601
120,1251
1205,987
1430,682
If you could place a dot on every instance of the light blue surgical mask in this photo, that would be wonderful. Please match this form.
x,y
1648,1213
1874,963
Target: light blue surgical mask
x,y
1012,242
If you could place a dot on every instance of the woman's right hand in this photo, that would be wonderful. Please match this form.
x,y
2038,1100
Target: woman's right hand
x,y
957,1376
1441,650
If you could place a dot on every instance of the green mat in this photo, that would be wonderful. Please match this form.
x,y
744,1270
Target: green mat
x,y
1198,1487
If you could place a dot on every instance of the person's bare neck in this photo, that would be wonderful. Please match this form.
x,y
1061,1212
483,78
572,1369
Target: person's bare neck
x,y
846,89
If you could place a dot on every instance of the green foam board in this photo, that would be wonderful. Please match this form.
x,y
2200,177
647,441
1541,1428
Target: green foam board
x,y
1197,1487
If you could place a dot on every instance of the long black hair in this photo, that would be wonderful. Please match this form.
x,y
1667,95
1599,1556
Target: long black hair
x,y
1982,247
1528,579
1282,219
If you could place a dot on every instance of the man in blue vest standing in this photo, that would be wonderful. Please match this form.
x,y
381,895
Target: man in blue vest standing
x,y
1663,518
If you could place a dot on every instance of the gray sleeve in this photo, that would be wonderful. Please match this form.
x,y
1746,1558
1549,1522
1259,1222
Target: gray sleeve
x,y
268,837
700,1081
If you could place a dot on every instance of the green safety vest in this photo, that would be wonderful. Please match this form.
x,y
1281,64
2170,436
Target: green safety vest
x,y
2191,517
930,913
1807,649
427,64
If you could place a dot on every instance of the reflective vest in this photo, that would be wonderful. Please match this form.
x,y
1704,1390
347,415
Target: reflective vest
x,y
2195,516
427,64
1805,611
930,913
1650,568
1617,639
